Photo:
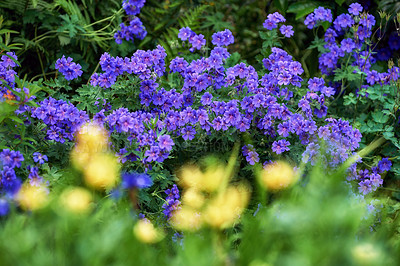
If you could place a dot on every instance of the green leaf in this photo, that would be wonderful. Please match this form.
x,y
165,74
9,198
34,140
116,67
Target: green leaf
x,y
345,73
349,99
380,117
340,2
281,5
302,8
319,44
64,40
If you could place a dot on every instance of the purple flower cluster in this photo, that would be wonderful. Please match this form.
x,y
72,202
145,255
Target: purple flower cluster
x,y
132,7
9,160
69,69
197,40
136,180
145,64
222,38
320,14
62,118
172,202
250,153
346,38
341,140
7,73
135,28
272,21
34,178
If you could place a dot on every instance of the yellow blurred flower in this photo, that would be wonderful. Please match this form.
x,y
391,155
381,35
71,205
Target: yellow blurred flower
x,y
76,200
366,254
92,138
190,176
193,198
32,197
101,172
145,232
278,175
224,210
79,157
186,219
214,177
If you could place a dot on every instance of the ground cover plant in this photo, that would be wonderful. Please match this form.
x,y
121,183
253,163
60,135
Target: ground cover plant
x,y
189,152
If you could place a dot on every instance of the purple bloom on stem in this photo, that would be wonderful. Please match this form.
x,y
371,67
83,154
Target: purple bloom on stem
x,y
188,133
165,142
287,30
39,158
355,9
280,146
365,187
198,41
185,33
384,165
152,154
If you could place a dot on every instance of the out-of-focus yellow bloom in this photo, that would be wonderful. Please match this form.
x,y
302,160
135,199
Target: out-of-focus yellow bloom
x,y
101,172
193,198
79,157
186,219
214,177
92,138
190,176
278,175
366,254
32,197
146,233
225,209
76,200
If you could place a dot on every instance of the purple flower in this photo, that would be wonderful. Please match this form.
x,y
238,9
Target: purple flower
x,y
39,158
188,133
384,165
136,180
365,187
165,142
198,41
185,34
172,202
287,30
280,146
355,9
343,21
69,69
152,154
222,38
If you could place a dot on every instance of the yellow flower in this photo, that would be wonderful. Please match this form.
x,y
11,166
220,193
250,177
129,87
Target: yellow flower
x,y
213,178
92,138
79,157
102,171
76,200
32,197
190,176
278,175
225,209
146,233
193,198
186,219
